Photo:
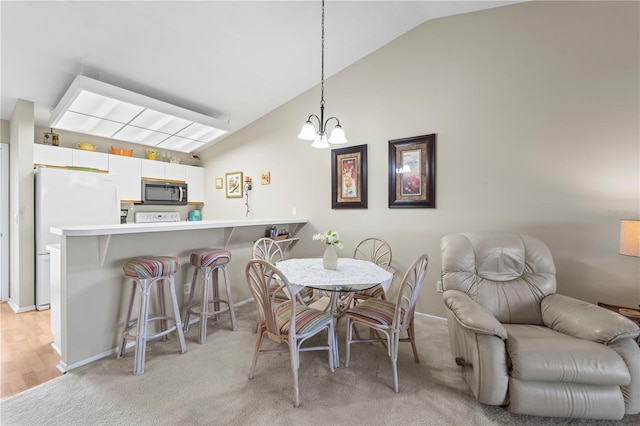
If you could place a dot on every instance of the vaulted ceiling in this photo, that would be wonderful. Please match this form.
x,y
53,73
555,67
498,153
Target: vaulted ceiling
x,y
230,59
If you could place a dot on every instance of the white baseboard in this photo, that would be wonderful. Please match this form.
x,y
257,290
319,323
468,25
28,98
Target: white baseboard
x,y
431,317
19,310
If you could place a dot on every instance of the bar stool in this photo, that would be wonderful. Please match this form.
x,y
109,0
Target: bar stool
x,y
145,272
207,262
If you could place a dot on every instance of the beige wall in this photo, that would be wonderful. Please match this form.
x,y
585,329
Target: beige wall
x,y
535,107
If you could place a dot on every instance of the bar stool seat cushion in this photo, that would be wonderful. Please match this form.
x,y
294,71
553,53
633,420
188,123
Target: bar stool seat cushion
x,y
210,257
151,267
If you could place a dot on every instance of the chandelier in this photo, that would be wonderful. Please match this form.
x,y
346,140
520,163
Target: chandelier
x,y
308,131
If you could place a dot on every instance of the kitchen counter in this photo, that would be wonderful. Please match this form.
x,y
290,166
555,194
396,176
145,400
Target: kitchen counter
x,y
104,232
91,296
134,228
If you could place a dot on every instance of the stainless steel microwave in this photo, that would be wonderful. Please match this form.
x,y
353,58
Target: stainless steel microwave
x,y
160,192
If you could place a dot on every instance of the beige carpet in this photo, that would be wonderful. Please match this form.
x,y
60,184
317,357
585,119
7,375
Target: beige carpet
x,y
209,385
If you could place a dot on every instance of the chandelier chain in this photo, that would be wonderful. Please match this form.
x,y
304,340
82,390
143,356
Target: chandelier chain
x,y
322,60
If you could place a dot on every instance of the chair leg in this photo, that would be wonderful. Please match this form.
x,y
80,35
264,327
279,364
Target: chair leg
x,y
127,321
204,305
293,355
331,337
176,315
393,345
234,326
141,337
412,339
259,341
162,307
216,291
347,357
193,290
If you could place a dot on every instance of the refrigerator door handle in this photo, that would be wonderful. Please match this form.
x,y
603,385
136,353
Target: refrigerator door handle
x,y
46,253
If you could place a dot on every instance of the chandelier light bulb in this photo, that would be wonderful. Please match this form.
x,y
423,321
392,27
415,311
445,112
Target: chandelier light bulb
x,y
308,132
320,141
337,136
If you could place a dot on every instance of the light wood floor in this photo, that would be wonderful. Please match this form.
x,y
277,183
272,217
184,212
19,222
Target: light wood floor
x,y
26,356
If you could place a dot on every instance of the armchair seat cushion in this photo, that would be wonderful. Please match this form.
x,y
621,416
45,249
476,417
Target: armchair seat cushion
x,y
538,353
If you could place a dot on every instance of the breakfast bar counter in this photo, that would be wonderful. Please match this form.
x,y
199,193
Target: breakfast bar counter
x,y
90,300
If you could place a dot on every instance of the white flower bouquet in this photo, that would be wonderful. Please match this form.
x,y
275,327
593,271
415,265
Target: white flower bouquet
x,y
330,237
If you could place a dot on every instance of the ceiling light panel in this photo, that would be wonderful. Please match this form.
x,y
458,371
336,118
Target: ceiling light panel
x,y
96,105
140,135
200,132
158,121
177,143
82,123
96,108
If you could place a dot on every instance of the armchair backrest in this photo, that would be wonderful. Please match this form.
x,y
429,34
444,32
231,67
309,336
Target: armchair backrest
x,y
506,273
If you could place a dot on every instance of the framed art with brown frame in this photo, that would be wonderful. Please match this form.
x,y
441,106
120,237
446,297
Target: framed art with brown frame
x,y
412,172
233,184
349,177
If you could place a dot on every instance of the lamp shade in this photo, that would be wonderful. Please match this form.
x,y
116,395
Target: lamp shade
x,y
337,136
630,237
308,132
320,142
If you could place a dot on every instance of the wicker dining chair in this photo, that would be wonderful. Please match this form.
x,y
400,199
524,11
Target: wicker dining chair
x,y
390,319
269,249
378,251
285,321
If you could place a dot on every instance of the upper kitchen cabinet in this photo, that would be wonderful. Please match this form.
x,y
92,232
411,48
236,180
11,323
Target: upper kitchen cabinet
x,y
129,170
49,155
161,170
195,182
90,159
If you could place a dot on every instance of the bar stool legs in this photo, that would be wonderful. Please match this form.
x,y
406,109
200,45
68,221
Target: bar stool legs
x,y
208,263
145,273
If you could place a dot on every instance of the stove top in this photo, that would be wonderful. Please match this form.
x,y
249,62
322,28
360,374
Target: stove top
x,y
156,217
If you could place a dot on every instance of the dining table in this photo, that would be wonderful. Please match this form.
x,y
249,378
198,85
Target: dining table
x,y
350,275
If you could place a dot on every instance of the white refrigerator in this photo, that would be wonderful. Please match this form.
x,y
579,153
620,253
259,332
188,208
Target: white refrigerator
x,y
66,197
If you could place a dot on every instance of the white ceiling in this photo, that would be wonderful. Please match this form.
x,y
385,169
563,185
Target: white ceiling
x,y
236,59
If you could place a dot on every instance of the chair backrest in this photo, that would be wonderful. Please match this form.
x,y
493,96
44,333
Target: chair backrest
x,y
262,278
408,292
375,250
506,273
267,249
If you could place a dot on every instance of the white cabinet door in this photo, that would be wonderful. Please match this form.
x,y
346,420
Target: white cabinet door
x,y
152,169
129,170
195,181
94,160
174,171
50,155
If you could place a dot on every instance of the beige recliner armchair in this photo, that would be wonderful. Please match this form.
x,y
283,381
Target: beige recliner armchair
x,y
524,346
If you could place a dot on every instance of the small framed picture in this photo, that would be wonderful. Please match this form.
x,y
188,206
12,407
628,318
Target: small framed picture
x,y
349,177
412,172
219,183
233,182
265,178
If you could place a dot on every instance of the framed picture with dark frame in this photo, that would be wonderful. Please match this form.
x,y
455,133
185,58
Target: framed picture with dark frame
x,y
233,184
412,172
349,177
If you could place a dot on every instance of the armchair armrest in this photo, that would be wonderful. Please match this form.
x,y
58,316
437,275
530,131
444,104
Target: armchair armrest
x,y
471,315
585,320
